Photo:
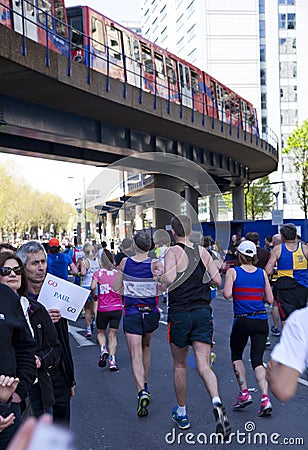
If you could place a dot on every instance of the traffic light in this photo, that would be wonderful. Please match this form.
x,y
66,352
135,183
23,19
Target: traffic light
x,y
99,228
79,229
88,230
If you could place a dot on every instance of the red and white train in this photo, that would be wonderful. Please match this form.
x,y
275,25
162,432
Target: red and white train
x,y
110,48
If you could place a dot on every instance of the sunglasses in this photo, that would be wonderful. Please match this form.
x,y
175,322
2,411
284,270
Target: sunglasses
x,y
6,271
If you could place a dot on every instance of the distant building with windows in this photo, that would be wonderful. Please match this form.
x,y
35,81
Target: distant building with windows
x,y
258,48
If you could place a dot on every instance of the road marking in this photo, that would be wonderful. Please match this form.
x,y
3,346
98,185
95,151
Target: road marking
x,y
81,340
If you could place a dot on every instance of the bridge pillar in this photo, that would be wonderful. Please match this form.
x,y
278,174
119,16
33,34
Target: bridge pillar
x,y
213,208
109,226
139,218
167,199
238,203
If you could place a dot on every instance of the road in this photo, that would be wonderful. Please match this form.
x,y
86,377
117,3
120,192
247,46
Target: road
x,y
104,409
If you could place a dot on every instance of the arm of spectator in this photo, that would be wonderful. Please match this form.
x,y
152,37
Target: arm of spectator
x,y
8,386
54,314
228,287
282,380
6,422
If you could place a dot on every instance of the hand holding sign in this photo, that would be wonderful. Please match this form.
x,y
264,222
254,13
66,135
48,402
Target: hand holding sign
x,y
62,298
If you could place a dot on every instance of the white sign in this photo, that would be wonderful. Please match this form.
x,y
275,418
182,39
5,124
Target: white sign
x,y
63,295
277,217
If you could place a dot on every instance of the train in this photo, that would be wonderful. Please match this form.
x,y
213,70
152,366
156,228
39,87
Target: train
x,y
88,37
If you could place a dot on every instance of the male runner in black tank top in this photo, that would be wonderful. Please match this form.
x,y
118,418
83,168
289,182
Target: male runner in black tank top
x,y
189,270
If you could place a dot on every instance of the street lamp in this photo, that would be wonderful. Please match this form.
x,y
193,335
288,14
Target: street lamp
x,y
79,210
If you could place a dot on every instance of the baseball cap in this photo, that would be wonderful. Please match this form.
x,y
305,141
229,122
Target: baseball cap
x,y
54,242
247,248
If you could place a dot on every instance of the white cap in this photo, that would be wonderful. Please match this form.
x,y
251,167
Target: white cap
x,y
247,248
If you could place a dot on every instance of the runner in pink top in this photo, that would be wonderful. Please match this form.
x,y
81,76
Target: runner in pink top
x,y
109,310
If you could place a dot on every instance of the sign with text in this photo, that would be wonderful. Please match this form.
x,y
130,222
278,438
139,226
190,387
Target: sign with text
x,y
63,295
277,217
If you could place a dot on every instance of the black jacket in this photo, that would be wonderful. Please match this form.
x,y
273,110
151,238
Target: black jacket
x,y
48,349
63,337
17,347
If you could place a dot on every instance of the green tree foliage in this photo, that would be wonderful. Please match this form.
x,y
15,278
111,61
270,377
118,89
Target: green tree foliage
x,y
259,199
24,210
297,149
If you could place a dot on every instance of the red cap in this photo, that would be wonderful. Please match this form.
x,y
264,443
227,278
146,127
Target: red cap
x,y
54,242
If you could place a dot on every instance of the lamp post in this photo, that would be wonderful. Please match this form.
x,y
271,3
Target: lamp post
x,y
84,203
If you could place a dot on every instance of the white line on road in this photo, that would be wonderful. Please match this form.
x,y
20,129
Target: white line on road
x,y
81,340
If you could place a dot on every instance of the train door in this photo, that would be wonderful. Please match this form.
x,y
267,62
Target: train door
x,y
185,84
220,93
132,59
244,111
171,78
211,99
114,43
198,90
147,68
98,54
28,8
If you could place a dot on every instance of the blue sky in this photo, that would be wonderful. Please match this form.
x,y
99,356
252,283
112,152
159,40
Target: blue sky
x,y
40,173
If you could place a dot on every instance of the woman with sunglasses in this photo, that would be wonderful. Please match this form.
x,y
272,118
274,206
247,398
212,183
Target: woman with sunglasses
x,y
48,348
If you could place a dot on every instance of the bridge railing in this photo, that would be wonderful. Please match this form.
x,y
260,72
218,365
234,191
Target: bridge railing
x,y
118,67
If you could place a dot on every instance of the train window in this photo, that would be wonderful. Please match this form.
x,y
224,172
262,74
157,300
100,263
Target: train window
x,y
181,75
195,82
147,59
170,70
113,39
60,18
98,35
187,77
45,12
30,6
159,65
136,50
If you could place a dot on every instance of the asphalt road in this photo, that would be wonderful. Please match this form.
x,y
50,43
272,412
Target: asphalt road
x,y
104,409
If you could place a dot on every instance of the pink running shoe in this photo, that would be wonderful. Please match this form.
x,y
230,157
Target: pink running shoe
x,y
266,407
243,399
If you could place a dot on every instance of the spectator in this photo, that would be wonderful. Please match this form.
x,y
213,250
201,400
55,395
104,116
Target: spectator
x,y
262,253
232,250
34,259
289,357
17,349
126,251
48,348
5,247
58,262
268,241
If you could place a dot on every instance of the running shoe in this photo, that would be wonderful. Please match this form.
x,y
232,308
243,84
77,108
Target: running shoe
x,y
88,334
146,388
275,331
143,401
102,362
222,422
181,421
268,342
242,400
113,365
266,407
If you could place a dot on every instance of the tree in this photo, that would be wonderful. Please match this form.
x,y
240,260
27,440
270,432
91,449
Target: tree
x,y
259,199
297,149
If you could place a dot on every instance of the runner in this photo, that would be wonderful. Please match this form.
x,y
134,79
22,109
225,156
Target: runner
x,y
292,271
190,319
109,310
247,285
141,313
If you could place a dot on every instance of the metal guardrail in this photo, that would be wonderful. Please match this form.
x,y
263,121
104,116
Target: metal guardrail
x,y
269,139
